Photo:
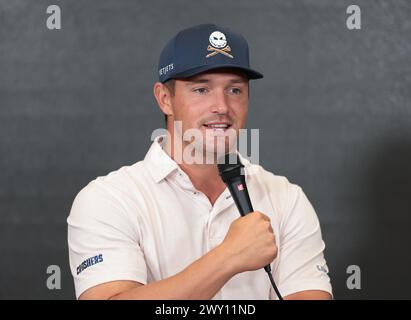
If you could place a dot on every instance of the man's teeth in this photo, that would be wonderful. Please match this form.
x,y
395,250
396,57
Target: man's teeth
x,y
217,126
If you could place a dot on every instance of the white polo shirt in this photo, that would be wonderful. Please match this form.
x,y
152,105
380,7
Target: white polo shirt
x,y
147,222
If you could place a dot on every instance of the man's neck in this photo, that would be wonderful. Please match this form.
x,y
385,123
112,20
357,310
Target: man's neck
x,y
204,177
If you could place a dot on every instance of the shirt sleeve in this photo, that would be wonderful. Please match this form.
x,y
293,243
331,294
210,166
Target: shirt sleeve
x,y
104,243
301,265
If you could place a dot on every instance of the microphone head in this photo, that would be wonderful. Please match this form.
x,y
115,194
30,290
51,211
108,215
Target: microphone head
x,y
229,166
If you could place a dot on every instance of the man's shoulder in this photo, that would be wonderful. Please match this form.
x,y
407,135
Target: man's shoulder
x,y
281,191
116,183
109,195
268,178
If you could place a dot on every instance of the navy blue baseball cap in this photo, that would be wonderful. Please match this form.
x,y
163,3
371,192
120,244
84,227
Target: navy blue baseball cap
x,y
202,48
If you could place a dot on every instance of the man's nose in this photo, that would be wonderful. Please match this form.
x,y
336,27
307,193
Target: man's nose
x,y
220,103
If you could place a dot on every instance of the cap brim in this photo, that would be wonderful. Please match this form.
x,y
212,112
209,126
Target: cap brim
x,y
251,74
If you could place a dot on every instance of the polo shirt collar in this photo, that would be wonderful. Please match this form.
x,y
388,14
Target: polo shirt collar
x,y
160,164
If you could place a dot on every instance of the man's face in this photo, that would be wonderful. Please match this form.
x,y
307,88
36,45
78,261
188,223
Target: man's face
x,y
215,103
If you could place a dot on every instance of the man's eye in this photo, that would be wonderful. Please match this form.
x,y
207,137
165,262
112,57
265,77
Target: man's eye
x,y
200,90
235,90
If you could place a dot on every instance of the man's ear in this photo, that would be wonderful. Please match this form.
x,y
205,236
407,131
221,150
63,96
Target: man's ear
x,y
163,97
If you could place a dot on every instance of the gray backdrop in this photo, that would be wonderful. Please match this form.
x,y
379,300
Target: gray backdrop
x,y
334,113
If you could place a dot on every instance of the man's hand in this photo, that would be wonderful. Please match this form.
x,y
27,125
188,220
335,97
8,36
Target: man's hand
x,y
250,242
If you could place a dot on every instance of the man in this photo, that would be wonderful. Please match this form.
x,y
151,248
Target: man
x,y
168,229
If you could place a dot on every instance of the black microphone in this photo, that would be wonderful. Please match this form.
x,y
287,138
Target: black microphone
x,y
235,182
233,178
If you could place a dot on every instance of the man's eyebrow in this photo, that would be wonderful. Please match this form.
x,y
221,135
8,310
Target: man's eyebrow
x,y
238,80
194,81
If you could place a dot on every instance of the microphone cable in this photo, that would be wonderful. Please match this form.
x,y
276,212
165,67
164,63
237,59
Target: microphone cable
x,y
277,292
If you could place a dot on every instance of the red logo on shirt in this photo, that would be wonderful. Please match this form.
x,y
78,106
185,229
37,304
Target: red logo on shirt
x,y
240,187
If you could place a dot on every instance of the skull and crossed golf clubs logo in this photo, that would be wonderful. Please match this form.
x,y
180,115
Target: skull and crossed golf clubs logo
x,y
218,43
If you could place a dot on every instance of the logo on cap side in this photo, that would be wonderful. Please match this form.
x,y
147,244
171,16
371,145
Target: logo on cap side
x,y
219,44
163,71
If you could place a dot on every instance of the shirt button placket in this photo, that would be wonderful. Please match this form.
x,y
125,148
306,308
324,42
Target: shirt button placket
x,y
210,233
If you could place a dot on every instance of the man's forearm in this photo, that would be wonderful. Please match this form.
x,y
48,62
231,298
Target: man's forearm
x,y
200,280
